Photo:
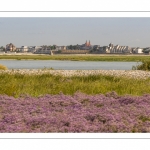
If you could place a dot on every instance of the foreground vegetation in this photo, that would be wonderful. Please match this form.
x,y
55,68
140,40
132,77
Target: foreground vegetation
x,y
2,67
135,58
77,113
48,103
145,65
36,85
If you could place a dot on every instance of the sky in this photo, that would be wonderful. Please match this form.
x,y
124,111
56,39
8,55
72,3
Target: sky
x,y
37,31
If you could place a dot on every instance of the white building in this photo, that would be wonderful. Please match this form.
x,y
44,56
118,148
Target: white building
x,y
34,48
24,48
60,48
138,50
118,49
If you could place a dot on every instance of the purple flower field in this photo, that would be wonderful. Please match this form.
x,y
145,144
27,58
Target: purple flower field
x,y
78,113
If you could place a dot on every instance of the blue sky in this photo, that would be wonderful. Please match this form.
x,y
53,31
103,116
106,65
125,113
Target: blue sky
x,y
132,32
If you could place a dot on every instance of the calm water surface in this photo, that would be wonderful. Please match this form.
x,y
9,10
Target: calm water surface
x,y
67,65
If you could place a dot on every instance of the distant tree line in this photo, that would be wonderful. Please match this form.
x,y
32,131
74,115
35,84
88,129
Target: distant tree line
x,y
2,48
146,50
73,47
52,47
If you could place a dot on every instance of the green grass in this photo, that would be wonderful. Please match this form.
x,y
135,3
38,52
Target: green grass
x,y
37,85
136,58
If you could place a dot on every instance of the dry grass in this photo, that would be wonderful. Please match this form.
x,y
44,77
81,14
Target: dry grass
x,y
2,67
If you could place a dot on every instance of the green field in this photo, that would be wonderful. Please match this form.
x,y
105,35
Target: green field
x,y
37,85
88,57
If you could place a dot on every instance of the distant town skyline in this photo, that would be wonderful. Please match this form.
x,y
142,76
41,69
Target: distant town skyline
x,y
133,32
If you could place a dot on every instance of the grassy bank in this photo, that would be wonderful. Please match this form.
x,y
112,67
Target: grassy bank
x,y
36,85
135,58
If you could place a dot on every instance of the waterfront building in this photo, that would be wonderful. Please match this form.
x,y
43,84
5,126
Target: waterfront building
x,y
34,49
104,49
96,47
24,49
137,50
87,43
86,46
41,49
118,49
10,47
61,48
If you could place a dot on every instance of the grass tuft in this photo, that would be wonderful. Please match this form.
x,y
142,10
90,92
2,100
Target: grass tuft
x,y
2,67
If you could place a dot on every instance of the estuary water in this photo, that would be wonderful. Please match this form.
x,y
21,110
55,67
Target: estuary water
x,y
67,65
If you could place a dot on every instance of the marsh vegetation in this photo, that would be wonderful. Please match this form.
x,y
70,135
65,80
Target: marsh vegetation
x,y
135,58
36,85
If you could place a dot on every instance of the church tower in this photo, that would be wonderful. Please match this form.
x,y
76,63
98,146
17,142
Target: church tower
x,y
89,43
86,43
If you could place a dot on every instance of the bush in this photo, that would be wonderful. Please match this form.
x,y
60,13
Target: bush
x,y
3,67
144,66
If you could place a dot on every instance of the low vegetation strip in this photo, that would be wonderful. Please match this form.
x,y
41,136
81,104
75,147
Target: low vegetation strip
x,y
86,57
137,74
81,113
41,82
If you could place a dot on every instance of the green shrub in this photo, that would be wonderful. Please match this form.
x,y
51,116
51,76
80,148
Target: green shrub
x,y
45,68
144,66
3,67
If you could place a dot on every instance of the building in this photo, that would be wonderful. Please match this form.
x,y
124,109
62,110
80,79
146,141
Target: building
x,y
24,49
104,49
87,43
86,46
118,49
111,45
61,48
146,50
42,50
137,50
10,47
34,49
96,47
